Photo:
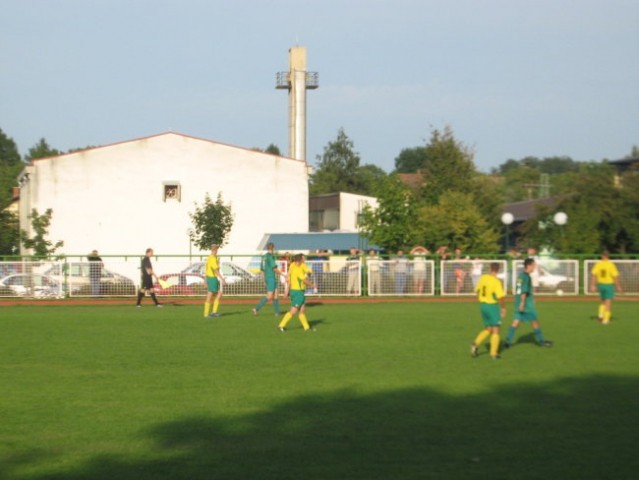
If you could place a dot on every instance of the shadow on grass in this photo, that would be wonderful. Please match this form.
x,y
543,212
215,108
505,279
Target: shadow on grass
x,y
571,428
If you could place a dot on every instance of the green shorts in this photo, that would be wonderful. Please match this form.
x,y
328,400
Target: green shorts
x,y
606,291
298,299
490,314
213,284
271,283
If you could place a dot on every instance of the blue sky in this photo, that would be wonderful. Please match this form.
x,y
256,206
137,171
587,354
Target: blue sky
x,y
512,78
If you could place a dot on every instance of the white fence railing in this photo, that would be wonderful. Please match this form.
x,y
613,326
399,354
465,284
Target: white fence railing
x,y
336,276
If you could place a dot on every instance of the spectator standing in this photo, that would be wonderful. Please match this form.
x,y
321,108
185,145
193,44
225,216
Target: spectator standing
x,y
95,272
352,266
374,276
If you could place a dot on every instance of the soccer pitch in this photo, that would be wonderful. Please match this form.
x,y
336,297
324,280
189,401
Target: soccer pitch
x,y
378,391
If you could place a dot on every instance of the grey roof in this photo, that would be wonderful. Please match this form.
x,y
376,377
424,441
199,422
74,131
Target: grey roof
x,y
527,209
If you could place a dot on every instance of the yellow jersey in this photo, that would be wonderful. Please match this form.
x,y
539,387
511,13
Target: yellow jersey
x,y
211,266
297,274
605,272
489,289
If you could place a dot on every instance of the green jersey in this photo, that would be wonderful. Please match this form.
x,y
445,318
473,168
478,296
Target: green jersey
x,y
268,265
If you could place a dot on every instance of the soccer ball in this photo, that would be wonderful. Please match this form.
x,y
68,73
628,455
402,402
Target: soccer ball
x,y
560,292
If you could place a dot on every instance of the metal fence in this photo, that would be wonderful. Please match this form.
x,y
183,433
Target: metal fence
x,y
628,276
334,276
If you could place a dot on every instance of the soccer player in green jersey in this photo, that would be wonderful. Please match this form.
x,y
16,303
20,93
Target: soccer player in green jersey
x,y
605,277
490,294
213,280
271,276
525,310
298,277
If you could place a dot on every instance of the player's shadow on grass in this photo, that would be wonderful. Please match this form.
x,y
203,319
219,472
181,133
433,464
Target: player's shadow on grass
x,y
565,428
527,338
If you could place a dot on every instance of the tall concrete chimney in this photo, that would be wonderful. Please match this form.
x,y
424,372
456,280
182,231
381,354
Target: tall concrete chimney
x,y
297,80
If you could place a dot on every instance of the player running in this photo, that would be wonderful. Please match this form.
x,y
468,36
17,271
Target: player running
x,y
271,275
298,280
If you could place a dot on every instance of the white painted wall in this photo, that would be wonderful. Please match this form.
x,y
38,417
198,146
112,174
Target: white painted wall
x,y
111,198
350,205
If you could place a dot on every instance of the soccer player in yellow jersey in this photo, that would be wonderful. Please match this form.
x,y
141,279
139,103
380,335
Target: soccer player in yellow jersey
x,y
213,279
605,277
298,280
490,294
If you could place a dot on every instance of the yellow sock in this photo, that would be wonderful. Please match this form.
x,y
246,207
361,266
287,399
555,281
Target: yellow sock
x,y
483,335
494,344
606,316
285,319
216,304
304,321
602,310
207,308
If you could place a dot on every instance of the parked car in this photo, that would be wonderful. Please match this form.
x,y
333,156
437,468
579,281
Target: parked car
x,y
181,284
31,284
231,272
552,281
76,277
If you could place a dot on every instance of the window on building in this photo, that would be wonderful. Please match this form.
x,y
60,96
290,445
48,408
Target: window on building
x,y
171,191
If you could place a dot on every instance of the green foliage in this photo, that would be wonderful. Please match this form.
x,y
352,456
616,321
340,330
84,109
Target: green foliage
x,y
273,149
212,222
392,224
339,170
410,160
41,150
9,233
450,166
456,222
39,244
10,167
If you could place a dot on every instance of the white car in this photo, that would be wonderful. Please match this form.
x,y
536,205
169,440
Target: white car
x,y
552,280
32,284
232,273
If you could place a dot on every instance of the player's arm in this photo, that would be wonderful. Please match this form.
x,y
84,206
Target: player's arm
x,y
522,301
593,282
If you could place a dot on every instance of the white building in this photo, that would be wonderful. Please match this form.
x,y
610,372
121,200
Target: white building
x,y
125,197
338,211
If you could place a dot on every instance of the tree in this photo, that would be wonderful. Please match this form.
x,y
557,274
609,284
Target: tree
x,y
450,166
39,244
10,166
410,160
456,222
9,233
41,150
212,223
273,149
392,224
338,170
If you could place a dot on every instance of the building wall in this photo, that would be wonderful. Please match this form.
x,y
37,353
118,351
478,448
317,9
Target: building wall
x,y
112,198
350,207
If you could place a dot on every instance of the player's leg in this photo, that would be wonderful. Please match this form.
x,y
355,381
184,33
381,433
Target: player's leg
x,y
276,300
216,302
286,318
511,333
303,319
494,342
539,336
140,296
207,303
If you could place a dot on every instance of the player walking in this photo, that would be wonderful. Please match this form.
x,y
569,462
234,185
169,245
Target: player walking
x,y
271,275
147,279
605,277
298,280
490,294
213,279
525,310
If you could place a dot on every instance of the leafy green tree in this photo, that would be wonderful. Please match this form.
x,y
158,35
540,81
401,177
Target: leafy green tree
x,y
392,224
9,233
456,222
10,166
40,246
212,222
410,160
41,150
339,170
450,166
273,149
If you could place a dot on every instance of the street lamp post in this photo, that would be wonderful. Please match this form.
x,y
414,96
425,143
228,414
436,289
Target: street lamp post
x,y
190,232
507,219
560,219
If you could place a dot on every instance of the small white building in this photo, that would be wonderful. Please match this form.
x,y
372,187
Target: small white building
x,y
338,211
126,197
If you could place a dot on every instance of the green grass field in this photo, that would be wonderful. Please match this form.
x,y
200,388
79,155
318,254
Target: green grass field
x,y
379,391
